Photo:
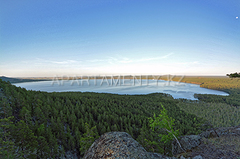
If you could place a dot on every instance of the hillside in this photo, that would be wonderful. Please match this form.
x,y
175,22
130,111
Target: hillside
x,y
59,124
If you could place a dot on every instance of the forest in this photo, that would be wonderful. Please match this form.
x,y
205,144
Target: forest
x,y
37,124
234,75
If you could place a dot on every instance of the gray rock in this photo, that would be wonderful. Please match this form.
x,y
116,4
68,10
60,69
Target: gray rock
x,y
182,157
116,145
187,142
69,154
206,134
197,157
217,132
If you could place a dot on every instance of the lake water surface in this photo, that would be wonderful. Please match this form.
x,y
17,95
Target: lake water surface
x,y
131,87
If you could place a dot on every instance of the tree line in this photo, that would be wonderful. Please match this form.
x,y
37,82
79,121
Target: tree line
x,y
234,75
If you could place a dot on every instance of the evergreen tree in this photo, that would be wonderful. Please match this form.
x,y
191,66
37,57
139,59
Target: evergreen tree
x,y
87,138
43,150
25,115
5,108
7,149
24,139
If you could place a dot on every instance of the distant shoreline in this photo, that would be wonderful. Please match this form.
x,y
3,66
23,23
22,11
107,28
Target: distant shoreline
x,y
36,79
221,83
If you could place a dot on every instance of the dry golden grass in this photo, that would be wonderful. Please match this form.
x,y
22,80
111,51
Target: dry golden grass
x,y
218,83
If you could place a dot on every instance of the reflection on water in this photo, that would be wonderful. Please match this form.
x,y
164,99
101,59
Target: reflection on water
x,y
177,90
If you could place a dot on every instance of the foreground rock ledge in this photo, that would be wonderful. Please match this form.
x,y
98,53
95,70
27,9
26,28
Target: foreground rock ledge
x,y
116,145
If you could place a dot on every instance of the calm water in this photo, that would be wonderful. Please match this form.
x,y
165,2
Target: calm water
x,y
177,90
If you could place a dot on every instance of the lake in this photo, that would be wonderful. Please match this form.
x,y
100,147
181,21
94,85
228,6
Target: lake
x,y
131,87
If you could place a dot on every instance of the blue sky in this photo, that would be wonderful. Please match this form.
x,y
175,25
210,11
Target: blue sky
x,y
112,37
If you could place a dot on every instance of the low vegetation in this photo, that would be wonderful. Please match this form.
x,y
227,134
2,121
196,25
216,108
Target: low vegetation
x,y
218,114
211,82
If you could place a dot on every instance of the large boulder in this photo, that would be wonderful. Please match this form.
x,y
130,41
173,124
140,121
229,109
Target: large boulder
x,y
116,145
187,142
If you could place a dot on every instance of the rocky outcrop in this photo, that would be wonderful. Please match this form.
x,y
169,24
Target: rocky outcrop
x,y
217,132
219,143
196,157
116,145
214,143
187,142
190,142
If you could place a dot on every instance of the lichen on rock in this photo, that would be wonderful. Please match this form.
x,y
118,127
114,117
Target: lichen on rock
x,y
116,145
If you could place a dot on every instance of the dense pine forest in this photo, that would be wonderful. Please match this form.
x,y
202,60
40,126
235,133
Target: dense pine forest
x,y
37,124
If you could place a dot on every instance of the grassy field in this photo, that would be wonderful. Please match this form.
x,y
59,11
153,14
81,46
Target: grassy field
x,y
221,111
211,82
